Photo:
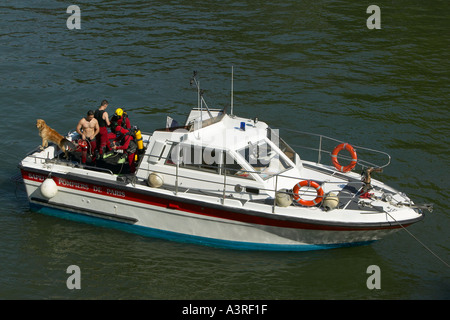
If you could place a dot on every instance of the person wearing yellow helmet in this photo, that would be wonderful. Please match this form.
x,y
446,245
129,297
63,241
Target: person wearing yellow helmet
x,y
120,123
119,112
120,126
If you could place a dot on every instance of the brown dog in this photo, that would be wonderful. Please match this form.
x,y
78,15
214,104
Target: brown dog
x,y
48,134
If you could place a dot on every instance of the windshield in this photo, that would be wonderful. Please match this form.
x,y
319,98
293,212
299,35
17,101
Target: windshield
x,y
265,160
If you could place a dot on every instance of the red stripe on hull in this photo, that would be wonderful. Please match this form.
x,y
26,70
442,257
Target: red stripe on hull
x,y
190,207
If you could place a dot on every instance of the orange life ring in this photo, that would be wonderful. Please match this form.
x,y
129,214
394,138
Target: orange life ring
x,y
308,183
338,149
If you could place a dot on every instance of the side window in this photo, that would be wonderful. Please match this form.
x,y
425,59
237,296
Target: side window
x,y
206,159
284,147
265,160
171,156
232,168
195,157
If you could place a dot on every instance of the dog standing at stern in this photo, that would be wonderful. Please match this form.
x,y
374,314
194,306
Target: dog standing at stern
x,y
48,134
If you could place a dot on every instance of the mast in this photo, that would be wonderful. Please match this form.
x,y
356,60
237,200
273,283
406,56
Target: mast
x,y
232,90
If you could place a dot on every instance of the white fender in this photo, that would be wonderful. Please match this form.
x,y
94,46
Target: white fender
x,y
331,201
155,180
283,198
49,189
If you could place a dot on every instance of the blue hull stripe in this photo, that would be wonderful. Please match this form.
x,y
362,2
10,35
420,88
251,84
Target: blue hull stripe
x,y
180,237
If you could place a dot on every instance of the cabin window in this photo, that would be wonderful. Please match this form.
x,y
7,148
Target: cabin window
x,y
232,168
195,157
156,153
274,136
265,160
206,159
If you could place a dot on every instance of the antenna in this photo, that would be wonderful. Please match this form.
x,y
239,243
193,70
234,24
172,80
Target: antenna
x,y
232,71
200,100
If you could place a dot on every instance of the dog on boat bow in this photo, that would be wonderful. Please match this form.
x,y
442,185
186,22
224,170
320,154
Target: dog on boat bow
x,y
48,134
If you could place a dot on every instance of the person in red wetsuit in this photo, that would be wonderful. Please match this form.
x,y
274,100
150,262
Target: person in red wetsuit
x,y
120,123
103,122
126,142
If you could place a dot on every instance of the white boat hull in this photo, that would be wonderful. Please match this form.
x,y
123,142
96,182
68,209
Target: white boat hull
x,y
166,216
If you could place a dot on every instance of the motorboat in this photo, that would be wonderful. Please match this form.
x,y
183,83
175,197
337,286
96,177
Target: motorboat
x,y
227,181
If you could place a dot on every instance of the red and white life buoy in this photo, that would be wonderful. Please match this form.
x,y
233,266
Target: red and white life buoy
x,y
338,149
312,184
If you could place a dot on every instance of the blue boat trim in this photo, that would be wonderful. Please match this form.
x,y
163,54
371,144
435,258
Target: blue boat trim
x,y
180,237
90,212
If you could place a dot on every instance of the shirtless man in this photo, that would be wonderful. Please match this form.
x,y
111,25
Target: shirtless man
x,y
88,129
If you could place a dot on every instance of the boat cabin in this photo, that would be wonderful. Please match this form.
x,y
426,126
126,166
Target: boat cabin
x,y
213,150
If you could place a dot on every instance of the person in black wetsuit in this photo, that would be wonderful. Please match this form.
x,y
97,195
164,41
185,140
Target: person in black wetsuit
x,y
103,122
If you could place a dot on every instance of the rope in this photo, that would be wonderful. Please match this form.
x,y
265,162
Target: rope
x,y
414,237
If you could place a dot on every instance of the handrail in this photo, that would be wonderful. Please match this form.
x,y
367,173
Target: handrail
x,y
320,149
222,171
225,184
58,161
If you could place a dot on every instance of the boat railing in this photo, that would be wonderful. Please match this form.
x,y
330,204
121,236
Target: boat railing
x,y
226,188
319,145
51,157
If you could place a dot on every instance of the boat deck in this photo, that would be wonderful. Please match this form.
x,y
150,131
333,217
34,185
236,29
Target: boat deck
x,y
116,163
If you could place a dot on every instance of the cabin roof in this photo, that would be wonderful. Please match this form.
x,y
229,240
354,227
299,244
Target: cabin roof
x,y
230,133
